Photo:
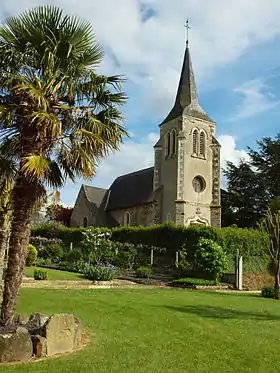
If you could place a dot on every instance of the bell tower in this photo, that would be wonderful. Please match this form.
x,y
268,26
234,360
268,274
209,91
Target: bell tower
x,y
187,159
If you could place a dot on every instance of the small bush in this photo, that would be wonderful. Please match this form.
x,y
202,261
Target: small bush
x,y
73,256
40,274
268,292
97,247
52,251
77,267
125,255
210,258
101,272
192,282
31,255
143,272
43,262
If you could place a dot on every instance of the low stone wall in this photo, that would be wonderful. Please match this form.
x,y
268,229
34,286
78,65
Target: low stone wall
x,y
40,336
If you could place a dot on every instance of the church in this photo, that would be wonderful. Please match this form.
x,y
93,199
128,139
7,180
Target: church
x,y
183,187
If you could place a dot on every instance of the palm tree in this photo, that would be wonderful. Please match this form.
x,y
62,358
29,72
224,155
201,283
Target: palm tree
x,y
58,116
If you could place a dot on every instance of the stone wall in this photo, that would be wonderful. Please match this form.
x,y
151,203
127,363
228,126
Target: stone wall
x,y
139,215
216,216
84,209
216,189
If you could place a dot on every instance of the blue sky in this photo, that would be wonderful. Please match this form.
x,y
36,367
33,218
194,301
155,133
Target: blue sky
x,y
235,48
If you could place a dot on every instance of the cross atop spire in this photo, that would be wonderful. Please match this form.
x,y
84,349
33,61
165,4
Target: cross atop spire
x,y
187,25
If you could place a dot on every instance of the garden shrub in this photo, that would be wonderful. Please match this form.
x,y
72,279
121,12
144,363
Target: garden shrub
x,y
268,292
97,247
210,258
31,255
126,254
52,251
77,267
73,256
194,282
101,272
40,274
43,262
143,272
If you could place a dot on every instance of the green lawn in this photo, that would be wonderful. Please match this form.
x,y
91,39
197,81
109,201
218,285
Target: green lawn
x,y
162,331
54,274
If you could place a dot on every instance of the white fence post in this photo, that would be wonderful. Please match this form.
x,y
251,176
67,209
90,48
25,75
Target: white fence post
x,y
152,257
236,268
177,259
240,273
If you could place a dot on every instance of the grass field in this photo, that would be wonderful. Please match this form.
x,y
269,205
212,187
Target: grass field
x,y
54,274
162,331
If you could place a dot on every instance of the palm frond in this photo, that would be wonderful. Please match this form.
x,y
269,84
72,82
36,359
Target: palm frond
x,y
35,166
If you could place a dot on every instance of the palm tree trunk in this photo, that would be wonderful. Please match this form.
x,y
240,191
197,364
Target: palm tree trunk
x,y
24,198
2,249
5,219
2,234
277,280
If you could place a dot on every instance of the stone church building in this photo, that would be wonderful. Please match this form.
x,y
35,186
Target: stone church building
x,y
183,186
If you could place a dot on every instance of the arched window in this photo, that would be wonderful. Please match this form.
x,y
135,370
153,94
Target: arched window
x,y
173,142
85,222
195,142
202,144
167,144
126,219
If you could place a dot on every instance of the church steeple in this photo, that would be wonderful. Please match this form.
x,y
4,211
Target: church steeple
x,y
186,101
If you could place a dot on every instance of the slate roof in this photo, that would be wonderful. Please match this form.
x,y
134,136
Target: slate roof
x,y
186,101
132,189
95,195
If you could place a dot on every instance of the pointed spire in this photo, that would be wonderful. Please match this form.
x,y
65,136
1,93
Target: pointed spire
x,y
186,101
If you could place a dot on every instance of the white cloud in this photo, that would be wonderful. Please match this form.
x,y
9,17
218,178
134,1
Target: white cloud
x,y
133,156
150,52
229,152
256,98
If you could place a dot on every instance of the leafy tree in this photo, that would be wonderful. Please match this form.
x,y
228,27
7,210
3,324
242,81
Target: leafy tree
x,y
267,161
58,117
247,195
60,214
274,204
271,225
228,217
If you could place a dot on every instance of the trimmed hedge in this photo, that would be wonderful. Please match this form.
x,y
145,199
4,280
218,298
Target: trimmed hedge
x,y
58,231
193,282
252,244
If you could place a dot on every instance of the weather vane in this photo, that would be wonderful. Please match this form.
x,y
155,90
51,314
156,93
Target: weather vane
x,y
187,25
